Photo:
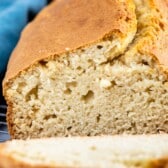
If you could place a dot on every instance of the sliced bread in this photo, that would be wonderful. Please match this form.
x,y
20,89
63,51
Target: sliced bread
x,y
90,68
98,152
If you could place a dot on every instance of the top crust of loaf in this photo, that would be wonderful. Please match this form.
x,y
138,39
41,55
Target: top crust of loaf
x,y
70,24
160,47
67,25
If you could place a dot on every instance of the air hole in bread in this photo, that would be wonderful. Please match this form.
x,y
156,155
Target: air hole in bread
x,y
99,46
144,62
35,109
40,130
98,118
113,83
68,91
43,63
47,117
133,124
145,125
151,100
162,131
33,93
21,85
71,84
148,89
165,125
69,128
79,68
88,97
90,61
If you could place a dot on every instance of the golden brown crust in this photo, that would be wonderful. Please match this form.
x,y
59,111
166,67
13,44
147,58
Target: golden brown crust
x,y
161,163
8,162
160,47
154,40
68,24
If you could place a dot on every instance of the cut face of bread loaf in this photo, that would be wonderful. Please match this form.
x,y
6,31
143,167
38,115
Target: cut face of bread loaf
x,y
90,68
107,151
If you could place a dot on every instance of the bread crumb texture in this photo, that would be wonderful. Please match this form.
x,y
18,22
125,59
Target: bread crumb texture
x,y
116,85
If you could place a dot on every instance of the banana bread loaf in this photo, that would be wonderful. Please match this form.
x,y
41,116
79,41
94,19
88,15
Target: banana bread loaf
x,y
90,68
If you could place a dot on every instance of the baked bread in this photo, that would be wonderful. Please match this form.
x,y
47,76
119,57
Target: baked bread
x,y
107,151
90,68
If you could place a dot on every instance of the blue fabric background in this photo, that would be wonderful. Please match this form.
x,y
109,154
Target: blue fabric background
x,y
14,15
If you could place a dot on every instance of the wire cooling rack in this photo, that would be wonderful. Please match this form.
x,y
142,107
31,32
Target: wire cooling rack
x,y
3,125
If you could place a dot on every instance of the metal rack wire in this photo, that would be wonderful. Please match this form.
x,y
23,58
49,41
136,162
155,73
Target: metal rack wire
x,y
3,125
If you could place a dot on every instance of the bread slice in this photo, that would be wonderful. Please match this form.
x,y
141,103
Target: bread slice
x,y
90,68
106,151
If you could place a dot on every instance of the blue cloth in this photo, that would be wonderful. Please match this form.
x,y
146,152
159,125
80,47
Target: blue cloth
x,y
14,15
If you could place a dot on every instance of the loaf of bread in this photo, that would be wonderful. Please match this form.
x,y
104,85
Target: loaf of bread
x,y
98,152
90,67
